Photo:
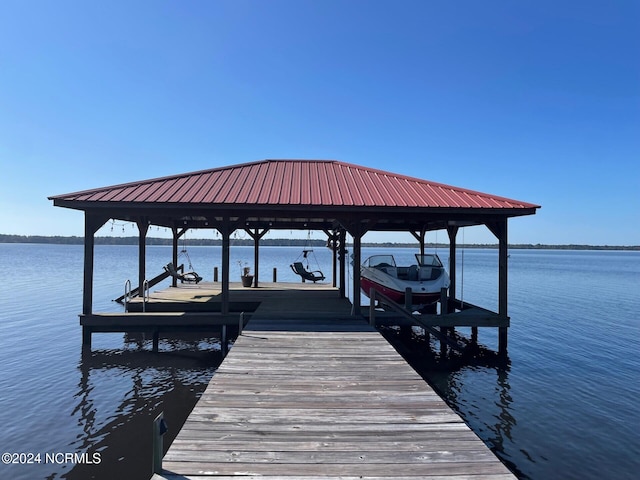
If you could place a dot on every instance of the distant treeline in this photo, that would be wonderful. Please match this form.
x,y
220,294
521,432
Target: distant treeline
x,y
283,242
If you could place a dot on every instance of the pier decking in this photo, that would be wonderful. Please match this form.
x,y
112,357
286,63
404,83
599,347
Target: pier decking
x,y
309,392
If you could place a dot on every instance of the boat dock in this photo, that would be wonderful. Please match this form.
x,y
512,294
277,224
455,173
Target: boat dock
x,y
310,391
321,395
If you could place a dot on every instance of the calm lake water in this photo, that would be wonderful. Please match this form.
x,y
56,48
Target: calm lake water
x,y
564,406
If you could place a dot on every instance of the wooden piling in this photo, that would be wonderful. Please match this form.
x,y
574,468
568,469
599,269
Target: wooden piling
x,y
158,431
156,340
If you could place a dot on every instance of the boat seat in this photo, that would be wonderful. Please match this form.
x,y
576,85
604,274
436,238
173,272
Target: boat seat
x,y
412,273
426,273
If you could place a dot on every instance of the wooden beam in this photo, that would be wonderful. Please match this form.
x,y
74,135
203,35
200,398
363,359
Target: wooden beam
x,y
174,252
420,236
357,227
143,228
256,234
452,231
468,319
499,229
92,223
342,253
226,228
333,239
164,321
176,234
226,254
357,254
89,247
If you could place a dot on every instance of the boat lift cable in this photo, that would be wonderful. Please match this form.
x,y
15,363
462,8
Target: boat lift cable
x,y
185,253
308,249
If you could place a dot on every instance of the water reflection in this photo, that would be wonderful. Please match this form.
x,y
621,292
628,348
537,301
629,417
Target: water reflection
x,y
475,383
121,391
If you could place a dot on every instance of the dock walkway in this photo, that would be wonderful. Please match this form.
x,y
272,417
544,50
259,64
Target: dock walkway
x,y
322,397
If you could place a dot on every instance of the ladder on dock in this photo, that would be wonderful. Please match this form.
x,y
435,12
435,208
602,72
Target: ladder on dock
x,y
154,281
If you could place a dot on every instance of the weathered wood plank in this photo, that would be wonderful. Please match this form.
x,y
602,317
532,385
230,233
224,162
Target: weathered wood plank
x,y
506,476
274,384
330,470
359,444
341,456
319,415
324,404
323,400
157,319
261,430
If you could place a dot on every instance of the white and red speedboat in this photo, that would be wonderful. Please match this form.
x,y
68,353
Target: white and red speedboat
x,y
425,278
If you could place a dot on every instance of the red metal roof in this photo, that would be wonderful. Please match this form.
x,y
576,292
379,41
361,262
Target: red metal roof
x,y
326,183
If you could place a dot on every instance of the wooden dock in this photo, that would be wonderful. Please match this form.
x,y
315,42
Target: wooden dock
x,y
322,395
196,308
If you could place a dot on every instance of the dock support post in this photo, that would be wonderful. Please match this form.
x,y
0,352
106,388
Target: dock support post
x,y
156,341
86,336
406,330
256,234
372,307
241,323
275,274
226,231
176,234
159,429
215,274
502,294
499,229
143,228
89,242
342,254
224,346
452,231
358,230
92,224
444,302
332,241
444,309
334,259
420,236
408,298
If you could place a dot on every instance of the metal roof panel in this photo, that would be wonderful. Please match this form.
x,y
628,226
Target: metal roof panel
x,y
296,182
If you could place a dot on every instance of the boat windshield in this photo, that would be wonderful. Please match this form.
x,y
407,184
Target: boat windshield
x,y
380,261
428,260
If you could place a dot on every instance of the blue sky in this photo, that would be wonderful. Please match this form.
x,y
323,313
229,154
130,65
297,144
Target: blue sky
x,y
533,100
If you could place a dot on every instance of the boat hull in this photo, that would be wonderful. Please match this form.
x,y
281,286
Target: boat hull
x,y
425,279
418,297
